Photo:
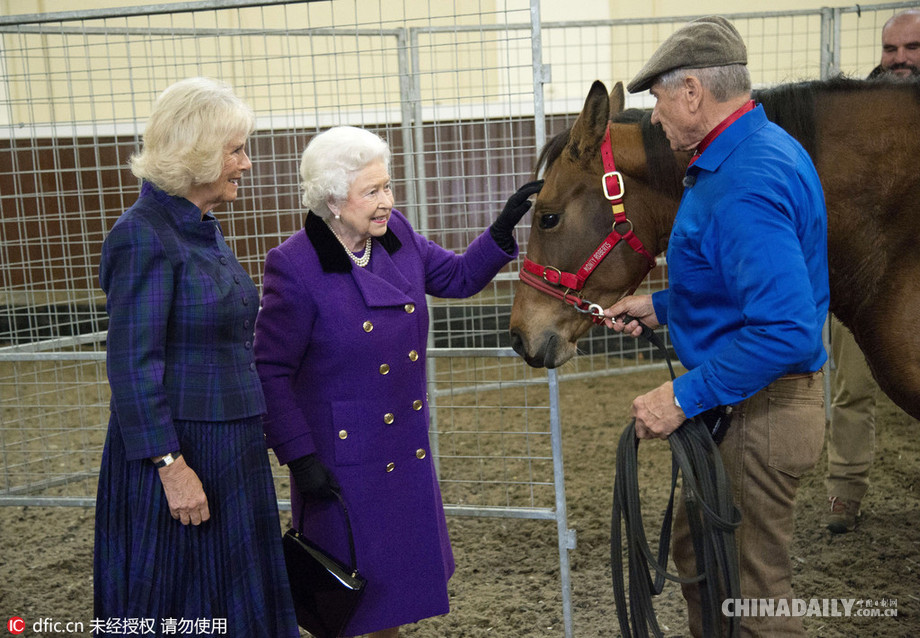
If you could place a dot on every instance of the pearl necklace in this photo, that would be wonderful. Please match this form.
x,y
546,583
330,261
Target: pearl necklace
x,y
361,261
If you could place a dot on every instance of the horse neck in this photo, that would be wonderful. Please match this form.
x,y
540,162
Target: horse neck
x,y
648,158
662,220
654,216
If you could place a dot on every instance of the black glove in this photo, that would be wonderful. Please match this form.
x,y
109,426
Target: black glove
x,y
515,208
313,479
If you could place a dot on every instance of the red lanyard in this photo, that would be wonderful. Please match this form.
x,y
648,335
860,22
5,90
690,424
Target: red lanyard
x,y
724,124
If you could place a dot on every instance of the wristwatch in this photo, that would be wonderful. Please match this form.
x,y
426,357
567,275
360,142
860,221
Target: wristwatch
x,y
167,459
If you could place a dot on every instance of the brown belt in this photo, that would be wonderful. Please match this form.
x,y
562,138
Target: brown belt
x,y
797,375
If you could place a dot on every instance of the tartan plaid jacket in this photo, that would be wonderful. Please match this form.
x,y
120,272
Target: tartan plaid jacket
x,y
181,317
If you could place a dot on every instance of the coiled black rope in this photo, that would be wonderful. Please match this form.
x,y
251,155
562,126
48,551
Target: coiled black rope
x,y
712,516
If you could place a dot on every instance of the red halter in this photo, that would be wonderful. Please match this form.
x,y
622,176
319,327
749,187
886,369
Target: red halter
x,y
565,285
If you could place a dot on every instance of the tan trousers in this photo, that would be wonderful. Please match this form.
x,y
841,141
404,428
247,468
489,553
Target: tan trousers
x,y
851,432
775,437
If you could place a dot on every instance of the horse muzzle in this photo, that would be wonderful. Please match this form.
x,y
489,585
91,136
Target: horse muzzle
x,y
549,350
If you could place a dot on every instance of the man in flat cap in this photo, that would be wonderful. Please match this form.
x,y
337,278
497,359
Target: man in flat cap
x,y
746,302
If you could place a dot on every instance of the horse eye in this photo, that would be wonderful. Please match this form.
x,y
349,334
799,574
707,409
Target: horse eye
x,y
549,220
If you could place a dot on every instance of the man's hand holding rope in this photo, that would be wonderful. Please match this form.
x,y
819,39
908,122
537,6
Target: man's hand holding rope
x,y
656,413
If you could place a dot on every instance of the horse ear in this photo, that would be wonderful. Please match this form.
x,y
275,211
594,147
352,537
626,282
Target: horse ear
x,y
589,127
617,100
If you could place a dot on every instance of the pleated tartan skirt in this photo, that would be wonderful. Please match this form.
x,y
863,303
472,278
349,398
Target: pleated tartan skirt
x,y
225,577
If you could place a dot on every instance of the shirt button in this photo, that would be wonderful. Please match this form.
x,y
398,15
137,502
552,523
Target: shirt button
x,y
248,345
388,418
247,323
252,366
236,278
384,368
417,404
420,454
343,434
391,467
245,301
223,260
413,355
368,326
410,308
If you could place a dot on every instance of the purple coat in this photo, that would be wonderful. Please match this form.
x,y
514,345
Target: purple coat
x,y
341,354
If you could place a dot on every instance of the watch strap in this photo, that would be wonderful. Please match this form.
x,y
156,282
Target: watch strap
x,y
167,459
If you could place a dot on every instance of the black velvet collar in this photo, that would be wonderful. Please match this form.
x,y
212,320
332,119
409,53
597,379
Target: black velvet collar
x,y
331,255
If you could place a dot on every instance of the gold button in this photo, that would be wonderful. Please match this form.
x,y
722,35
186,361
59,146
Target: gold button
x,y
413,355
368,326
388,418
384,368
410,308
417,404
420,454
343,434
391,467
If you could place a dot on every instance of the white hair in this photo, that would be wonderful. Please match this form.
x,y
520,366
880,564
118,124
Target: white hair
x,y
331,162
724,82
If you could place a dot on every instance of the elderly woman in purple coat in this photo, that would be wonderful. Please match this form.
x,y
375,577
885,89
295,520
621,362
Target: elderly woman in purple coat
x,y
340,348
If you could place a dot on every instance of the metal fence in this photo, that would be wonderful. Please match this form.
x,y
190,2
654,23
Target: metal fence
x,y
465,99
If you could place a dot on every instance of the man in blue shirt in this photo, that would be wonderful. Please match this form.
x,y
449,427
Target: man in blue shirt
x,y
746,302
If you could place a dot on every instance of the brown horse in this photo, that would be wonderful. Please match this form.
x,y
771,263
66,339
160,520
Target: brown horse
x,y
865,140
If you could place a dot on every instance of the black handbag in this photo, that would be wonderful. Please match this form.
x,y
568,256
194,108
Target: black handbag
x,y
325,591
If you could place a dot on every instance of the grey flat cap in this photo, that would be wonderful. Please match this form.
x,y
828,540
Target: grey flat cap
x,y
704,42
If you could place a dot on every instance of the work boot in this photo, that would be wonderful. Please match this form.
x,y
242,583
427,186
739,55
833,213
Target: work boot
x,y
842,515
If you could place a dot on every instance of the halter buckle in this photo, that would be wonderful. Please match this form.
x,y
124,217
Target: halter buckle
x,y
549,269
621,189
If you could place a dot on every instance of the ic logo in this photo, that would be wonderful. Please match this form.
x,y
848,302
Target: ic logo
x,y
16,625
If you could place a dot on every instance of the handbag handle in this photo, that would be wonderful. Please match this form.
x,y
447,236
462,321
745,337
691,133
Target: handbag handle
x,y
351,537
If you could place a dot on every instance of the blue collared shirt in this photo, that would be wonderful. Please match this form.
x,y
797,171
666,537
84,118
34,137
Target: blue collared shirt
x,y
747,267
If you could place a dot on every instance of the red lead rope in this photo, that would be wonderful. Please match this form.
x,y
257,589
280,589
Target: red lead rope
x,y
549,279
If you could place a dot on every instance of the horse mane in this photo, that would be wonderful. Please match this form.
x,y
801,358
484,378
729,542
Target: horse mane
x,y
552,150
792,106
663,172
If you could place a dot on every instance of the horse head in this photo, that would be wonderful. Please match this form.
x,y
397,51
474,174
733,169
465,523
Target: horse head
x,y
573,219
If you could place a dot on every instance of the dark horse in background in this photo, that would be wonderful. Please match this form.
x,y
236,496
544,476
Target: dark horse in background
x,y
864,138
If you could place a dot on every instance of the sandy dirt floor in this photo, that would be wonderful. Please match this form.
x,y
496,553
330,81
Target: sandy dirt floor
x,y
507,582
